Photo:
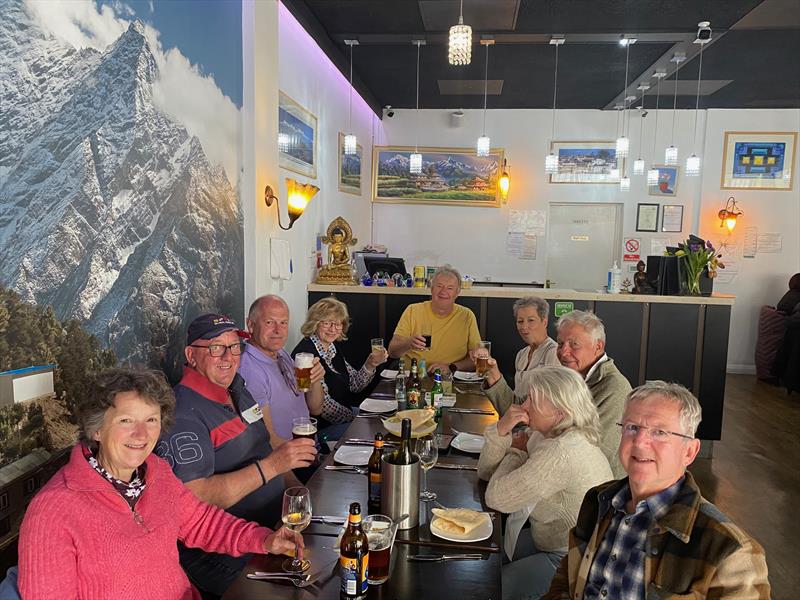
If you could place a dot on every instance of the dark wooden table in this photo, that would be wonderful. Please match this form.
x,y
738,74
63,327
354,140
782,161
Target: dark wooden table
x,y
333,491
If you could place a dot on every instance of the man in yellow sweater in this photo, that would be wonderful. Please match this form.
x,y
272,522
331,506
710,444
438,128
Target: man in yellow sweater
x,y
451,328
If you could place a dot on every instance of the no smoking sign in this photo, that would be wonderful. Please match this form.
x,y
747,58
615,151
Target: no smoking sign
x,y
631,250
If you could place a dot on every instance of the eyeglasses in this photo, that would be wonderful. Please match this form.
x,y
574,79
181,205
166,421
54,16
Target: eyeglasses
x,y
332,324
631,430
217,350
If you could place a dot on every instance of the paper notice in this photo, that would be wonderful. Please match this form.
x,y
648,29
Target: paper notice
x,y
517,221
514,244
658,245
537,221
750,244
770,242
528,247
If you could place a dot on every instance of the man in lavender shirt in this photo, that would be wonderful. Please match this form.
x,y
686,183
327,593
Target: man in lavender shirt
x,y
268,370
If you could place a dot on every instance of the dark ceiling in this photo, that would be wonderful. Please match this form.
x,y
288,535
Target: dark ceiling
x,y
752,61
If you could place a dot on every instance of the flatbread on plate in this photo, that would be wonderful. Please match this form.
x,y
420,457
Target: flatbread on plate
x,y
458,520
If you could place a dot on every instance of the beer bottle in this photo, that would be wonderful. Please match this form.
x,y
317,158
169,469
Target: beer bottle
x,y
437,391
403,455
400,386
375,476
354,557
414,387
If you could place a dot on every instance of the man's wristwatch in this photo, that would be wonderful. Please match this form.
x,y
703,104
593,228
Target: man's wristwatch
x,y
453,367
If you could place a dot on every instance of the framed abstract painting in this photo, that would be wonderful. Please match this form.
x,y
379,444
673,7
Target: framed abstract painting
x,y
758,160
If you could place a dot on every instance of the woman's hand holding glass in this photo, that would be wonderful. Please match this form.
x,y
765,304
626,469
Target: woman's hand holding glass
x,y
284,541
377,357
493,375
516,414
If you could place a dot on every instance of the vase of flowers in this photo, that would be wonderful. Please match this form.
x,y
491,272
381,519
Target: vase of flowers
x,y
697,258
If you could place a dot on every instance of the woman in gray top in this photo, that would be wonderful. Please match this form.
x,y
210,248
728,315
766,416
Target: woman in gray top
x,y
530,313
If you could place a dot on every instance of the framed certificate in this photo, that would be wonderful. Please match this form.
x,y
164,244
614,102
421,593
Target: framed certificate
x,y
672,218
647,217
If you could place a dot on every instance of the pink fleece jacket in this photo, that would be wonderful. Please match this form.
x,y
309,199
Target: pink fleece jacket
x,y
79,538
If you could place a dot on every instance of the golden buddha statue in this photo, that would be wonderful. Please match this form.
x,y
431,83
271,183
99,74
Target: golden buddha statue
x,y
339,238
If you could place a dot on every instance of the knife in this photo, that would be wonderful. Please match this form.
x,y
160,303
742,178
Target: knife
x,y
329,520
363,442
455,466
443,557
472,411
382,395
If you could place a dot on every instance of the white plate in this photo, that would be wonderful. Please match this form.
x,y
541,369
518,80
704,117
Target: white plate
x,y
374,405
468,442
448,403
480,533
356,456
392,373
467,376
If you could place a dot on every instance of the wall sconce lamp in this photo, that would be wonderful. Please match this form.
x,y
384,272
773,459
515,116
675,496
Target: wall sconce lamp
x,y
729,214
504,182
299,196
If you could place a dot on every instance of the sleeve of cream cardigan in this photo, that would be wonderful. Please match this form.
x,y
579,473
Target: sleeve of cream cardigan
x,y
500,395
518,482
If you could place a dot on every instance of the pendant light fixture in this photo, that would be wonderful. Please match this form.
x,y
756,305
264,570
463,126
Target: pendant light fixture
x,y
652,172
625,180
614,172
459,51
350,140
484,143
693,162
671,153
623,143
415,160
551,160
638,164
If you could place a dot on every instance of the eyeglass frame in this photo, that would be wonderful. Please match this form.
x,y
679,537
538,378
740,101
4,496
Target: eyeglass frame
x,y
330,324
227,348
647,428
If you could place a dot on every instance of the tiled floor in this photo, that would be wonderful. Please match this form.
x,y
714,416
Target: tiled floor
x,y
754,476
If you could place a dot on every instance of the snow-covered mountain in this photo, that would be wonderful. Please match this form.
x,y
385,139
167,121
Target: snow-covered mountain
x,y
109,210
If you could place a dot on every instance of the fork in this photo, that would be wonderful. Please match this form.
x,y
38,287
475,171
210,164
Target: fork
x,y
297,581
347,469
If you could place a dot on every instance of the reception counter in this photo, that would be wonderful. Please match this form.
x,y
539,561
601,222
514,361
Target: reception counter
x,y
675,338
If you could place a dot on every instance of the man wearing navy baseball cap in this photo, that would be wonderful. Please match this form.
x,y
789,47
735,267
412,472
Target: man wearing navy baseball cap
x,y
219,445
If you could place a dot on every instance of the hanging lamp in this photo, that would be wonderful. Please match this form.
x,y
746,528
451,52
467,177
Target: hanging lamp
x,y
693,162
613,174
623,143
350,140
551,160
415,160
652,172
484,143
459,51
638,164
671,153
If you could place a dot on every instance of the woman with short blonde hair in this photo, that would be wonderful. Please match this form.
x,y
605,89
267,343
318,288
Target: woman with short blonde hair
x,y
327,322
541,473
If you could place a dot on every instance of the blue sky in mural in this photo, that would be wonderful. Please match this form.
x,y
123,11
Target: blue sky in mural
x,y
207,32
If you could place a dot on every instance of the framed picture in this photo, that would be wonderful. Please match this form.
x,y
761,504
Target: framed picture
x,y
349,169
667,182
757,160
672,218
452,176
647,217
297,138
585,162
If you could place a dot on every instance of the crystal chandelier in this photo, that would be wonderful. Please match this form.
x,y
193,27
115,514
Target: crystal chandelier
x,y
625,184
459,51
551,160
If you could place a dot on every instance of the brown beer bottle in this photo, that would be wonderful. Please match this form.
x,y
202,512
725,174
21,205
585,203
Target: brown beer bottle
x,y
375,476
414,388
354,557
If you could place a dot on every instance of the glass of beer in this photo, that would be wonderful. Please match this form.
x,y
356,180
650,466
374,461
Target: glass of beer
x,y
376,344
428,340
303,361
482,354
304,427
380,531
447,382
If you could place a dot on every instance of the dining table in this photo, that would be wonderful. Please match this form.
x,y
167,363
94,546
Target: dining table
x,y
455,481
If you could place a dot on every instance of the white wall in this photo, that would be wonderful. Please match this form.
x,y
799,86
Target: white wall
x,y
297,66
473,239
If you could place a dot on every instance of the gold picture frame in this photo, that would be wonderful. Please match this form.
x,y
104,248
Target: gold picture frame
x,y
450,176
355,162
758,160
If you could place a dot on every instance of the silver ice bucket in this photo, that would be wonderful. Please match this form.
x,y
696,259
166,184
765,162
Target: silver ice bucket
x,y
400,493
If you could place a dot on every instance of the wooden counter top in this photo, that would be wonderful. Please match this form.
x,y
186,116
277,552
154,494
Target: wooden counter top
x,y
518,292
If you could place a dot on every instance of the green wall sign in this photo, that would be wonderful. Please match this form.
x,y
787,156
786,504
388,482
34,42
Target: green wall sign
x,y
563,308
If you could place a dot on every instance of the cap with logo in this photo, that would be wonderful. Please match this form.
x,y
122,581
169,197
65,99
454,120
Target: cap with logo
x,y
209,326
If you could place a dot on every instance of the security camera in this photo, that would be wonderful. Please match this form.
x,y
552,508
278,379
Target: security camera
x,y
703,32
388,110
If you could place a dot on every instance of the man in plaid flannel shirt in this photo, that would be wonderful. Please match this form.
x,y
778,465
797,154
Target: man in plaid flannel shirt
x,y
653,535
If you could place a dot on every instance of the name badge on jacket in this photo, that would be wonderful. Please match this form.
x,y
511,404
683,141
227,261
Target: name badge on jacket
x,y
252,414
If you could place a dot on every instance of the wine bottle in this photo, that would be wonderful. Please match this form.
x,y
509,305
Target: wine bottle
x,y
403,456
354,557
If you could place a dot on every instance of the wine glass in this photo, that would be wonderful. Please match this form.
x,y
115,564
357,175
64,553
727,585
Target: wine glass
x,y
427,449
296,515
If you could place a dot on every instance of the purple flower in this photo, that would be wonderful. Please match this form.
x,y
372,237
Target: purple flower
x,y
695,247
709,245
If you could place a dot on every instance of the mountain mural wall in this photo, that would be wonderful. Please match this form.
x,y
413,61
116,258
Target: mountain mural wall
x,y
110,211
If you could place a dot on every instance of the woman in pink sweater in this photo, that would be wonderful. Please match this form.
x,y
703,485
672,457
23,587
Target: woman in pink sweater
x,y
107,523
